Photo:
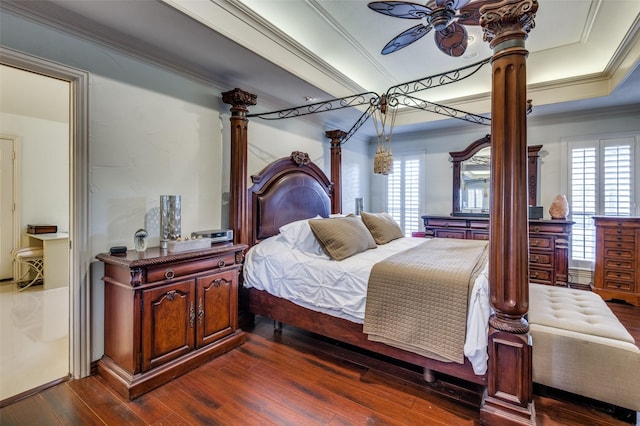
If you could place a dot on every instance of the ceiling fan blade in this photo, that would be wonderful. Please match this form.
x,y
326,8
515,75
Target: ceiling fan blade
x,y
400,9
455,4
406,38
470,15
452,40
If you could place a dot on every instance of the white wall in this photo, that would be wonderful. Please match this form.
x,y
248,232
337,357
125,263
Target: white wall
x,y
44,169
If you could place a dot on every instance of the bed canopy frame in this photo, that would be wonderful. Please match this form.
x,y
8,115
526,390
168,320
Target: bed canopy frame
x,y
506,24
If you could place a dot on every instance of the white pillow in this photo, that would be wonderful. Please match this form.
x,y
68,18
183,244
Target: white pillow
x,y
298,235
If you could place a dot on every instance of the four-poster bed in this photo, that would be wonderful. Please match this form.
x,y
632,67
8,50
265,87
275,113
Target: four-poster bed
x,y
506,24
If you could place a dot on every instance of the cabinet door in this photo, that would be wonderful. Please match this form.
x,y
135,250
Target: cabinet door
x,y
168,323
217,306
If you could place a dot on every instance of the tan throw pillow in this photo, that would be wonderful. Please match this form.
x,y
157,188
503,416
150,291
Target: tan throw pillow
x,y
342,237
382,227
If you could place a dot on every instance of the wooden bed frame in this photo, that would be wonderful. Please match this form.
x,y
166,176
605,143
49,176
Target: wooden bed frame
x,y
509,396
290,189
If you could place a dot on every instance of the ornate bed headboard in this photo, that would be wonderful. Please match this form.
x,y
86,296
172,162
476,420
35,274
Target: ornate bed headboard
x,y
289,189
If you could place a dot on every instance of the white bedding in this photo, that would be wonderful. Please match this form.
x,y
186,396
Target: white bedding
x,y
339,288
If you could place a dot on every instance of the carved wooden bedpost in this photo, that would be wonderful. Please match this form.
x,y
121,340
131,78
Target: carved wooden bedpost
x,y
506,24
336,168
238,211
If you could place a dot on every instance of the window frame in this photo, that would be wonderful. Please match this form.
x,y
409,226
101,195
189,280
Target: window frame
x,y
600,142
404,156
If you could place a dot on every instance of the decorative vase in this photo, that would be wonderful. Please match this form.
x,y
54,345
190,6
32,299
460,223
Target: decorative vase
x,y
170,219
559,208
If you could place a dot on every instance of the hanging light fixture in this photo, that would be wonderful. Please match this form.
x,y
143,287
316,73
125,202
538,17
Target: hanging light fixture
x,y
383,159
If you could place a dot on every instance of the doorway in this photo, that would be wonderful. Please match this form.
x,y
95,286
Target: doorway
x,y
78,296
8,225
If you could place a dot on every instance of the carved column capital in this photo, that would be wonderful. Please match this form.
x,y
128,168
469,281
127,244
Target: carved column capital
x,y
239,100
336,136
507,19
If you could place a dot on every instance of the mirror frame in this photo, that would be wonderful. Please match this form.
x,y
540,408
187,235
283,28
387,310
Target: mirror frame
x,y
458,157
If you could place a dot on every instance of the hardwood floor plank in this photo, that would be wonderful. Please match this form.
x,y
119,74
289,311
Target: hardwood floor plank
x,y
351,411
366,396
29,411
147,407
274,402
104,403
194,407
69,407
229,409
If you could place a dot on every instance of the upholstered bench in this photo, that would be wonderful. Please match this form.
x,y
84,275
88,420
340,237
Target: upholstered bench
x,y
579,346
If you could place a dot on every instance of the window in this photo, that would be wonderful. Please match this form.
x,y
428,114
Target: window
x,y
403,192
601,182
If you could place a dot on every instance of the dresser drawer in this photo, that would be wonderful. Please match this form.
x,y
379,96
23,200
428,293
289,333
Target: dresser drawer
x,y
614,253
479,235
619,285
619,244
540,242
618,275
179,269
618,264
541,259
553,228
619,236
541,276
449,233
447,223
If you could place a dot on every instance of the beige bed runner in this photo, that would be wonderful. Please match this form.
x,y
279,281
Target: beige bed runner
x,y
417,300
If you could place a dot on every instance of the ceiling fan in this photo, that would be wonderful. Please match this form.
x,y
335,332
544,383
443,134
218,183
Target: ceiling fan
x,y
447,17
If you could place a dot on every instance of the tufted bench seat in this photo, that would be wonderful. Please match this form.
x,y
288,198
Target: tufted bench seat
x,y
579,346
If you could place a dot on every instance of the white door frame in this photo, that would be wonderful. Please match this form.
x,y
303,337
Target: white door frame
x,y
79,286
14,235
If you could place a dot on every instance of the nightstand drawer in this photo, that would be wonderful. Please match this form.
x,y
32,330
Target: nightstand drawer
x,y
180,269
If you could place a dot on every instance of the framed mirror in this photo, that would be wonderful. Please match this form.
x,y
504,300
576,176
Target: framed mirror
x,y
472,177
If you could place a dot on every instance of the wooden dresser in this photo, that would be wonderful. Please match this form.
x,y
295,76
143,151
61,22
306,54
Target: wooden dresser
x,y
548,243
167,313
617,270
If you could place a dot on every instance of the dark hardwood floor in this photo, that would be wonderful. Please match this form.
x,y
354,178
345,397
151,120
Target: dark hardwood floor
x,y
295,378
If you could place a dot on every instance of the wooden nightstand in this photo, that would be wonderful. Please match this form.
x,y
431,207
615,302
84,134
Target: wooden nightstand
x,y
167,313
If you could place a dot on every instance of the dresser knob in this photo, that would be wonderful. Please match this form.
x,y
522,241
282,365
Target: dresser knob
x,y
619,245
618,264
168,274
220,263
536,229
